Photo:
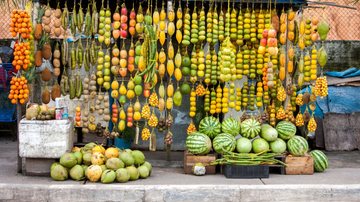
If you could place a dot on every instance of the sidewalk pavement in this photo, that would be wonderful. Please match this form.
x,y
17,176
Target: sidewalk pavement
x,y
339,183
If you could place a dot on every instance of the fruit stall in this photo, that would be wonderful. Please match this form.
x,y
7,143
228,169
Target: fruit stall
x,y
221,80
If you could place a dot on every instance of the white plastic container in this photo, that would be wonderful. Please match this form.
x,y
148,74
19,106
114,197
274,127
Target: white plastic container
x,y
45,139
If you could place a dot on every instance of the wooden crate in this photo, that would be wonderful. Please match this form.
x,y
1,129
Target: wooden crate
x,y
190,160
303,165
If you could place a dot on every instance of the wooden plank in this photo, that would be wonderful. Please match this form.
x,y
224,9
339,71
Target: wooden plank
x,y
299,165
190,160
342,81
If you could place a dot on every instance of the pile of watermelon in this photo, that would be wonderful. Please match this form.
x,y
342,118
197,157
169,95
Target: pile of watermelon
x,y
251,136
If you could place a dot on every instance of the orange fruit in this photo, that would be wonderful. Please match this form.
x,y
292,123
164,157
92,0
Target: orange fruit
x,y
13,101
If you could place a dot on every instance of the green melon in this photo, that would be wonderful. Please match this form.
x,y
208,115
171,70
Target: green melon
x,y
321,162
286,130
297,146
224,142
210,126
198,143
231,126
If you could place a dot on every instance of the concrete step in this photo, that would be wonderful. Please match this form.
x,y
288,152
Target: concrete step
x,y
177,193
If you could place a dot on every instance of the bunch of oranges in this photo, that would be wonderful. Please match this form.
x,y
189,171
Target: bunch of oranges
x,y
20,24
19,91
21,55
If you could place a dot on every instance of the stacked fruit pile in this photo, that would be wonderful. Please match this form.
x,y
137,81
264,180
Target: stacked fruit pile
x,y
255,138
95,163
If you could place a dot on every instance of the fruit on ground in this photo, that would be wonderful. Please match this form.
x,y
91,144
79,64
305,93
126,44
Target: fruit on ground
x,y
286,130
97,158
243,145
122,175
93,173
250,128
77,173
59,173
143,171
210,126
112,152
224,142
321,162
79,157
278,146
133,172
127,158
138,156
149,166
297,146
68,160
231,126
114,163
268,133
198,143
260,145
87,158
108,176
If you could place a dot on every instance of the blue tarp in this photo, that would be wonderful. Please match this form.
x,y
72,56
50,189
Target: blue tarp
x,y
351,72
341,99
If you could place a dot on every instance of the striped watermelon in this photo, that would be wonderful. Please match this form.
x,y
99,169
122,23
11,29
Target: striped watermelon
x,y
198,143
250,128
297,146
231,126
286,130
321,162
210,126
224,142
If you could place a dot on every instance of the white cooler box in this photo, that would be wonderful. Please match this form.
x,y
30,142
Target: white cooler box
x,y
45,139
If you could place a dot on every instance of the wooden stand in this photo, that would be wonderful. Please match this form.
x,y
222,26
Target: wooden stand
x,y
190,160
303,165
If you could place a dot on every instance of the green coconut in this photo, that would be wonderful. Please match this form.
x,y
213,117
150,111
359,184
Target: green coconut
x,y
77,173
114,163
133,172
68,160
122,175
59,173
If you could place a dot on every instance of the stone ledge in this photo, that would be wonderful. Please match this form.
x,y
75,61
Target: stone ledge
x,y
174,193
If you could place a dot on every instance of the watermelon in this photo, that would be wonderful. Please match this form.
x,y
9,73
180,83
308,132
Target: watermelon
x,y
198,143
286,130
243,145
321,162
231,126
268,133
210,126
260,145
250,128
224,142
297,146
278,146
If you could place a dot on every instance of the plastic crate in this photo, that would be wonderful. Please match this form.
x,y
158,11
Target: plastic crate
x,y
246,172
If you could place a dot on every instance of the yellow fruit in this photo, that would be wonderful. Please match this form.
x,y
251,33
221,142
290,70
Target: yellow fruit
x,y
130,94
171,28
170,51
170,90
98,148
162,56
122,89
156,16
137,116
122,114
112,152
178,74
170,67
121,125
169,103
178,36
114,94
162,37
178,60
114,84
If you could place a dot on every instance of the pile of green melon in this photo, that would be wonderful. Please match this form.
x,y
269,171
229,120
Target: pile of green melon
x,y
250,136
95,163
